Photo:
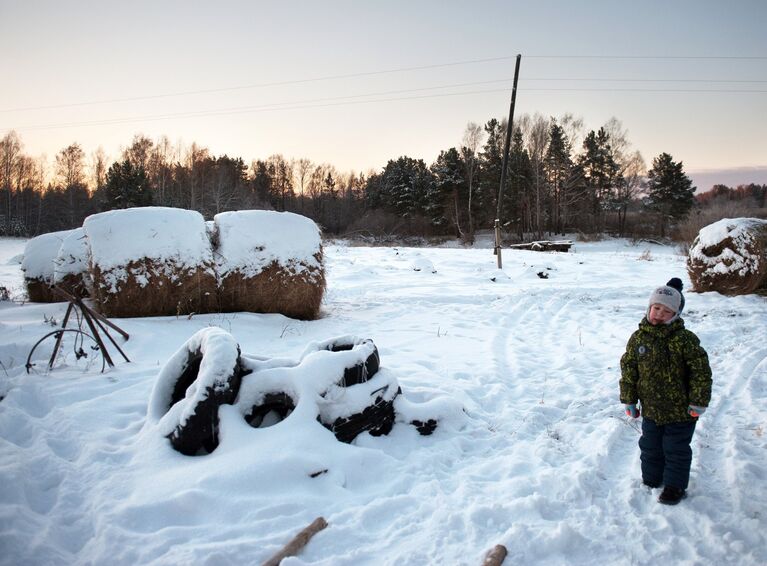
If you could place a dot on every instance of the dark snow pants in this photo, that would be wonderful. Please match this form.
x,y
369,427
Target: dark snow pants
x,y
666,453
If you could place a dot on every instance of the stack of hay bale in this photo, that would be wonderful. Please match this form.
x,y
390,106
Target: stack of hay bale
x,y
156,261
39,265
151,261
730,257
269,262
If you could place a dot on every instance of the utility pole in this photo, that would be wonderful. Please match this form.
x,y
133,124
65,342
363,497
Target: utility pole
x,y
509,130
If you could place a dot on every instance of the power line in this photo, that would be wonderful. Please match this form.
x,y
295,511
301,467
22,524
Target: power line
x,y
352,100
379,72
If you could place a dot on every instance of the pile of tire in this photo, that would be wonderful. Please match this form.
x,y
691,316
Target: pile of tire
x,y
352,393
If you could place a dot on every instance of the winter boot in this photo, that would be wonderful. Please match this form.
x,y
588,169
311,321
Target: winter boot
x,y
671,495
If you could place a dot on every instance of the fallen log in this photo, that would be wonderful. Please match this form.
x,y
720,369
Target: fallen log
x,y
496,556
298,542
544,246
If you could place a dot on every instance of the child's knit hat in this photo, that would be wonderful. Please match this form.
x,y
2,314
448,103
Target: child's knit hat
x,y
670,296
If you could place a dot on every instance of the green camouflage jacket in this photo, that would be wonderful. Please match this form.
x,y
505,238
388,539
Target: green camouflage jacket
x,y
666,369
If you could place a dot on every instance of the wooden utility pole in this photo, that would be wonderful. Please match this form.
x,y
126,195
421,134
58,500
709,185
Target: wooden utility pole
x,y
509,130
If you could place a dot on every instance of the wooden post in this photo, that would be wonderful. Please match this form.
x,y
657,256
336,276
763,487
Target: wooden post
x,y
298,542
498,243
507,144
496,556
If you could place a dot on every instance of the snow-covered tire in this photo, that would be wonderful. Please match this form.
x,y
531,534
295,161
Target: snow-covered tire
x,y
205,373
278,401
377,418
425,428
367,364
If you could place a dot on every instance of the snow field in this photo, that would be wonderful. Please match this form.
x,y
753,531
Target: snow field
x,y
541,460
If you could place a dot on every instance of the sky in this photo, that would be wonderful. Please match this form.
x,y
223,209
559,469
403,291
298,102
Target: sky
x,y
355,84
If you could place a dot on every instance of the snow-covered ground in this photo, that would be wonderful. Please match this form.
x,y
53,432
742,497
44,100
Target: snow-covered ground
x,y
541,460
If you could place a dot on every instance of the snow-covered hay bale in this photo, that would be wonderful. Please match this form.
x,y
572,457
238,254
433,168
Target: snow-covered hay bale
x,y
269,262
730,257
151,261
38,265
71,265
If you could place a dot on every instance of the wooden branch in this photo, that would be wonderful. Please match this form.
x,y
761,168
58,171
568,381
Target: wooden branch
x,y
298,542
496,556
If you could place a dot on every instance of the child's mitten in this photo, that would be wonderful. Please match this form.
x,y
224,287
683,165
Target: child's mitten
x,y
632,411
696,410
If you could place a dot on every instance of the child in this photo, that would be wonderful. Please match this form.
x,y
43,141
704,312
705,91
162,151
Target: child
x,y
667,371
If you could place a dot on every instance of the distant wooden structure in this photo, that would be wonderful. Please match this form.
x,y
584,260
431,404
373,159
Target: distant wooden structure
x,y
544,246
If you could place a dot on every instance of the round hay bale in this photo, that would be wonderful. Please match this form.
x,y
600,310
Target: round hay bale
x,y
269,262
151,261
38,265
71,265
730,257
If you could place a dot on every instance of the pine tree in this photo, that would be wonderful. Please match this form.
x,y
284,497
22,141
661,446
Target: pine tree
x,y
448,198
516,210
558,168
127,186
669,190
601,173
491,163
405,184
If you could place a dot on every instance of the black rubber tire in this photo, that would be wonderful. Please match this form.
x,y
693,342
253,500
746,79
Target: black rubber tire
x,y
376,419
199,434
425,428
280,402
361,371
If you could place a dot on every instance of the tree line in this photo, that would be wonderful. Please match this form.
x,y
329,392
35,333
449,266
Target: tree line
x,y
561,179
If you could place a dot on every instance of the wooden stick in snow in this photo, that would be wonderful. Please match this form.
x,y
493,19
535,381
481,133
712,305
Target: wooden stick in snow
x,y
496,556
298,542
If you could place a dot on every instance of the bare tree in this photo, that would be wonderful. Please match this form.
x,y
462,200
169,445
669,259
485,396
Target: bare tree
x,y
536,132
139,151
193,159
303,171
70,166
631,169
98,168
159,170
282,179
472,139
10,149
573,129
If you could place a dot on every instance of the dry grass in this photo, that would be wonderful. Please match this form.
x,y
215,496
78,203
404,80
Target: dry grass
x,y
76,285
275,290
169,291
39,291
751,279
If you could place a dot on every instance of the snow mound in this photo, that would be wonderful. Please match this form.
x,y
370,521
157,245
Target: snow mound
x,y
40,254
251,240
119,237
